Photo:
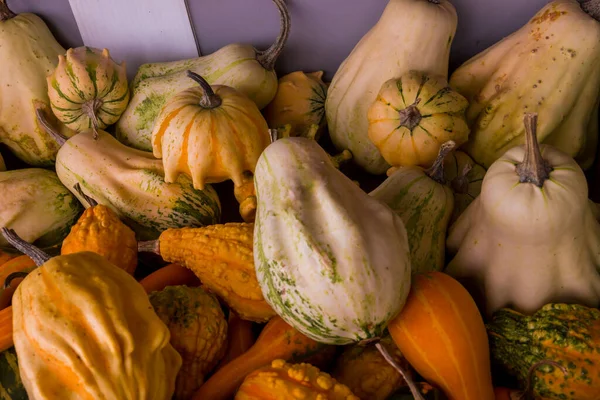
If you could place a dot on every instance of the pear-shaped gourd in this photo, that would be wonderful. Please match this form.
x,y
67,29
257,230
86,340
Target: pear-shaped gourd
x,y
332,261
425,203
550,67
531,237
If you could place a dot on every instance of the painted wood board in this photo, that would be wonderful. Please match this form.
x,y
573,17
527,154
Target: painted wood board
x,y
137,31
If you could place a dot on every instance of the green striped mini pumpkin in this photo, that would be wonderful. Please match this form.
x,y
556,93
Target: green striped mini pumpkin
x,y
88,89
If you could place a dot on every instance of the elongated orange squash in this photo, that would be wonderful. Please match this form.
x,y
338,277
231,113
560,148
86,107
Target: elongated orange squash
x,y
19,264
169,275
442,335
240,338
6,329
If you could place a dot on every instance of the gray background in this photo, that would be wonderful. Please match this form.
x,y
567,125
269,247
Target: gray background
x,y
323,31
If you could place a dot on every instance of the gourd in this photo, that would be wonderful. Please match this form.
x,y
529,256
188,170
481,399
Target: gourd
x,y
410,35
6,328
211,134
88,89
300,102
11,386
425,204
21,264
509,246
35,203
239,66
169,275
413,115
240,338
131,183
29,53
221,256
2,163
100,230
277,340
336,284
281,380
198,332
548,67
565,334
366,372
464,178
84,328
441,334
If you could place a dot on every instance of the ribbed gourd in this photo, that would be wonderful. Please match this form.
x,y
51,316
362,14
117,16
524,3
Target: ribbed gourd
x,y
198,333
88,89
464,177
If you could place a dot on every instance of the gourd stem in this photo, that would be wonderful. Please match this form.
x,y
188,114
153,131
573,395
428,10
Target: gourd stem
x,y
436,172
90,108
410,116
528,392
13,276
411,385
209,99
460,184
435,1
38,256
41,117
591,7
341,158
312,132
149,246
5,12
88,199
267,58
534,169
274,134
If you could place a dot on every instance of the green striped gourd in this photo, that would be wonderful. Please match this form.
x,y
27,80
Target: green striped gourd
x,y
332,261
425,204
88,89
464,177
11,385
37,206
239,66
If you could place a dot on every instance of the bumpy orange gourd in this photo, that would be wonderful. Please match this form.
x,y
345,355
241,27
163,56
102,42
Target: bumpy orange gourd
x,y
367,373
277,340
281,380
198,332
100,230
441,333
222,258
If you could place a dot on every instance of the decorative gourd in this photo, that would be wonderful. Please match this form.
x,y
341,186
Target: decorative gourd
x,y
100,230
413,115
240,338
281,380
170,275
300,102
88,89
240,66
366,372
29,53
278,340
410,35
211,134
198,332
566,334
6,328
549,67
464,178
22,264
337,284
34,203
509,245
131,183
441,334
6,254
84,328
11,386
425,204
221,256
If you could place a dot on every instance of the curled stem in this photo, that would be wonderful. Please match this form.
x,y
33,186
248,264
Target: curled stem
x,y
436,172
267,58
38,256
88,199
407,378
51,130
11,277
209,98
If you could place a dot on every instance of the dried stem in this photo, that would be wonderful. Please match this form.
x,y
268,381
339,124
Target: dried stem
x,y
51,130
90,108
11,277
436,172
407,378
5,12
534,169
460,184
410,116
268,57
88,199
150,246
591,7
341,158
209,98
38,256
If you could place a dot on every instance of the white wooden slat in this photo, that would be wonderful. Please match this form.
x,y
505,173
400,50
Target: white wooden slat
x,y
137,31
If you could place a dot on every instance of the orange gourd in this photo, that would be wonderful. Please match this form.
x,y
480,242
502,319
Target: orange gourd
x,y
6,329
442,335
5,255
278,340
170,275
240,338
19,264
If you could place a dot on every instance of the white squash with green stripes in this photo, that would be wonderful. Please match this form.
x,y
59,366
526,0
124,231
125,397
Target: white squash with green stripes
x,y
331,260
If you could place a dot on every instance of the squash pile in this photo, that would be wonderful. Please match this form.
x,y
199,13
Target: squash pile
x,y
187,235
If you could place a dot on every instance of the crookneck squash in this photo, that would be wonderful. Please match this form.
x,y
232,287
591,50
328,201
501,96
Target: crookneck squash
x,y
566,334
131,182
509,245
300,102
425,203
29,53
410,35
84,328
464,177
550,67
413,115
331,260
239,66
88,89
